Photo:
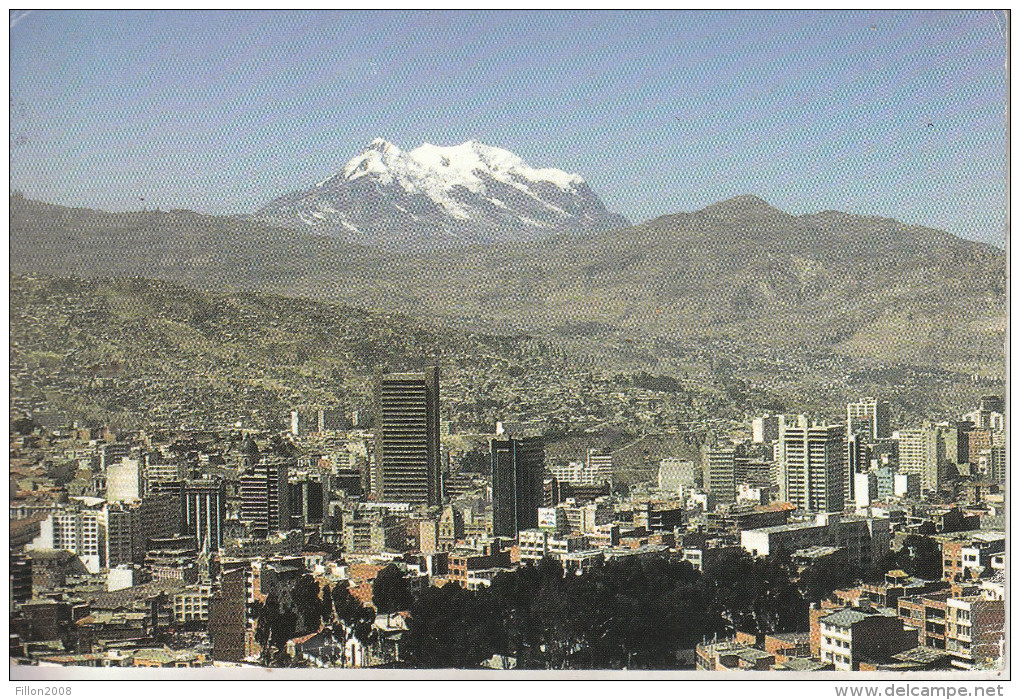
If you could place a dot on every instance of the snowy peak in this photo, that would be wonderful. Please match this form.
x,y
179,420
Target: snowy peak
x,y
471,192
464,165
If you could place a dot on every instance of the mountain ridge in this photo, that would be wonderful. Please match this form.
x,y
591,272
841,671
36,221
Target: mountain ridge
x,y
870,287
441,196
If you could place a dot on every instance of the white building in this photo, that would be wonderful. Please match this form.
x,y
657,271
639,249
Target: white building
x,y
813,470
80,528
124,481
597,469
865,539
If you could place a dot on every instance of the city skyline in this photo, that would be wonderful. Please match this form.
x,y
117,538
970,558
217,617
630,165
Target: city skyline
x,y
500,343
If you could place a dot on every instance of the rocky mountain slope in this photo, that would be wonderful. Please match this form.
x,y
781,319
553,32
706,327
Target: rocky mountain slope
x,y
739,272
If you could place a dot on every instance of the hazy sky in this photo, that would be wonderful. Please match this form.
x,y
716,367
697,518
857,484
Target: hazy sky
x,y
896,114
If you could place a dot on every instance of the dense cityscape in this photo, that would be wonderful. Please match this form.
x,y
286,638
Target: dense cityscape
x,y
510,345
789,542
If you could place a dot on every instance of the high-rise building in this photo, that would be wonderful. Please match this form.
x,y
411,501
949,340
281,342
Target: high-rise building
x,y
518,466
308,498
721,465
921,452
407,466
161,514
858,459
868,416
599,467
264,498
81,529
865,488
765,429
228,616
205,507
125,541
814,471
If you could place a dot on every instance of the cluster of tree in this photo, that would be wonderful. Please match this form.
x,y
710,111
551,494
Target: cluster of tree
x,y
634,612
919,556
305,608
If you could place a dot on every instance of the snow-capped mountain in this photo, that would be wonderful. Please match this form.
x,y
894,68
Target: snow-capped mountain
x,y
471,193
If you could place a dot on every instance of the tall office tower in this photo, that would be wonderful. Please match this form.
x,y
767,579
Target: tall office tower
x,y
407,464
518,468
204,510
264,499
921,452
161,514
722,474
308,498
125,540
814,469
858,459
868,416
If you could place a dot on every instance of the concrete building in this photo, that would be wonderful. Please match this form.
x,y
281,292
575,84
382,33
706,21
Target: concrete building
x,y
375,531
721,467
765,429
869,417
599,467
407,437
677,474
517,467
205,503
813,470
975,632
865,488
228,616
927,614
80,528
192,604
921,452
124,481
264,498
866,540
125,539
850,636
451,528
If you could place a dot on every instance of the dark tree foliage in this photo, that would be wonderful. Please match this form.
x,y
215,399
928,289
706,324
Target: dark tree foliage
x,y
451,629
634,612
326,605
390,591
306,603
919,556
348,609
754,594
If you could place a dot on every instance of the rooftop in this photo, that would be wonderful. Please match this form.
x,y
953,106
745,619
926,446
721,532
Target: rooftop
x,y
846,617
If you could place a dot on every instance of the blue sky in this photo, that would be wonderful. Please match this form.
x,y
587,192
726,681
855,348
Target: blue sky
x,y
898,114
